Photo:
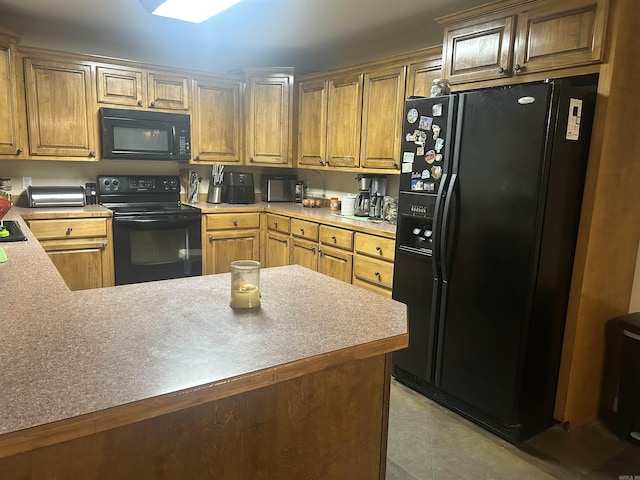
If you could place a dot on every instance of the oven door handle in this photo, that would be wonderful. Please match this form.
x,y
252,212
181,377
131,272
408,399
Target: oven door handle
x,y
155,219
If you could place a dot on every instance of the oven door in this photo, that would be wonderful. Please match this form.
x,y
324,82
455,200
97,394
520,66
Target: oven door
x,y
156,247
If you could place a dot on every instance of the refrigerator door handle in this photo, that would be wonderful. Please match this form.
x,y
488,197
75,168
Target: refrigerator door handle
x,y
447,218
436,227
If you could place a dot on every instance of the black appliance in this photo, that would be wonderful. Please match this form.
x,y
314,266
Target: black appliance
x,y
155,236
10,231
143,135
489,203
238,188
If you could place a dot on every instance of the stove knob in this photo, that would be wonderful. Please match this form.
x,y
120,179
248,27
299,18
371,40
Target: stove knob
x,y
115,183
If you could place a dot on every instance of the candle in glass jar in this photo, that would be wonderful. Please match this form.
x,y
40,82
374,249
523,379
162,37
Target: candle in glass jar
x,y
245,295
245,284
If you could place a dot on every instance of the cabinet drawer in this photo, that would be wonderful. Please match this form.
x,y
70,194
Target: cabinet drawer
x,y
377,272
278,223
336,237
379,247
66,228
304,229
230,221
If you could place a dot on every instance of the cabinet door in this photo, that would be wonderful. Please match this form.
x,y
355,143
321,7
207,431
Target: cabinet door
x,y
83,263
305,253
344,118
382,118
170,92
312,123
335,263
479,50
9,126
378,274
215,130
60,114
225,247
277,251
564,34
119,86
269,135
420,76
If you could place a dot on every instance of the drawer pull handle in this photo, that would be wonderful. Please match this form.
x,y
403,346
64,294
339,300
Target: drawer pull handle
x,y
152,104
69,230
235,222
92,154
302,230
500,70
275,224
320,251
139,103
19,151
333,237
377,274
313,249
517,67
379,248
211,238
321,162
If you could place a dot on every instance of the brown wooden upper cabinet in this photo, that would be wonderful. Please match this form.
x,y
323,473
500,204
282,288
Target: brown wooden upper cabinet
x,y
329,119
10,140
382,115
516,38
420,76
269,114
215,124
60,108
132,87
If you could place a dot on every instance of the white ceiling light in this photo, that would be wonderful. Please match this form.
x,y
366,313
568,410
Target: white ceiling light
x,y
195,11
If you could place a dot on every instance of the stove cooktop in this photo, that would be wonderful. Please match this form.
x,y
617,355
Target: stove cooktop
x,y
15,232
152,209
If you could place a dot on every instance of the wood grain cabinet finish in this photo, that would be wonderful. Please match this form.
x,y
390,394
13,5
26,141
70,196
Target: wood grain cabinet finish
x,y
560,34
270,112
10,141
336,237
230,237
382,118
373,263
305,229
344,117
335,262
420,76
81,250
61,117
132,87
277,249
215,127
312,123
525,37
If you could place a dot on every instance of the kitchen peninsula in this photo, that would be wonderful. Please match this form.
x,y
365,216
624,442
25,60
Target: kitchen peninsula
x,y
165,380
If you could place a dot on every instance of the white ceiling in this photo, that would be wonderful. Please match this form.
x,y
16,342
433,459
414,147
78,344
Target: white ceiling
x,y
311,34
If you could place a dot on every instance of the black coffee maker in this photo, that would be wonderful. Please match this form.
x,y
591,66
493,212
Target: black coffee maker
x,y
363,198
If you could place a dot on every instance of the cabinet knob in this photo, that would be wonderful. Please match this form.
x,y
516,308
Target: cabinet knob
x,y
211,238
500,69
313,249
320,162
302,230
19,151
139,103
275,224
251,159
327,162
379,248
517,67
395,165
235,222
198,157
320,252
333,237
152,104
69,230
92,154
377,274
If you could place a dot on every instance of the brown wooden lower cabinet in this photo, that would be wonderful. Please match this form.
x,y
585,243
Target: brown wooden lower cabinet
x,y
330,424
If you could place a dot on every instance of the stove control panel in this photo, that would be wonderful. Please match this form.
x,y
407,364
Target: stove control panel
x,y
138,184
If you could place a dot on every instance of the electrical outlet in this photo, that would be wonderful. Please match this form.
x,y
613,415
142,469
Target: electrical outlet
x,y
26,182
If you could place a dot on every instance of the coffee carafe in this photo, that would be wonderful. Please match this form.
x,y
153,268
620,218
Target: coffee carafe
x,y
377,191
363,199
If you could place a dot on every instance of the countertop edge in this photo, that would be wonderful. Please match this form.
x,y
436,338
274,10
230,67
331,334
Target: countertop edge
x,y
76,427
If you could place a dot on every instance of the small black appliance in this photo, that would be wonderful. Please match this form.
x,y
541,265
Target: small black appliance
x,y
238,188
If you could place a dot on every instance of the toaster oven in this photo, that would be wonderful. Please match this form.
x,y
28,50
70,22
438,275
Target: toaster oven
x,y
278,188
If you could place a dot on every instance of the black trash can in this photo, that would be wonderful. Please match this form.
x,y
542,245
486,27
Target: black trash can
x,y
628,411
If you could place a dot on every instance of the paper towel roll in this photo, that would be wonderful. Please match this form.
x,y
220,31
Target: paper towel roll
x,y
348,204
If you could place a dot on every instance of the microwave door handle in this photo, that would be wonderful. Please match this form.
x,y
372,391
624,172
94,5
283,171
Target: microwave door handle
x,y
173,146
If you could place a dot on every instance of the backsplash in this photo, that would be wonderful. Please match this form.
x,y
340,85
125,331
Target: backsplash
x,y
42,173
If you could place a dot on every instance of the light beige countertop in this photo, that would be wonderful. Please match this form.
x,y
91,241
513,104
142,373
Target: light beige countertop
x,y
322,215
72,362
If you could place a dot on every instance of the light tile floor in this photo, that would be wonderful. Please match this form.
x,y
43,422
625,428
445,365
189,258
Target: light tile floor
x,y
429,442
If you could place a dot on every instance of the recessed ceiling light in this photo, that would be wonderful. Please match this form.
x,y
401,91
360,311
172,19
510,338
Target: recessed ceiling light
x,y
195,11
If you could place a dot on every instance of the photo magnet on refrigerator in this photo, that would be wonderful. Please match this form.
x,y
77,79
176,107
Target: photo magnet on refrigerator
x,y
407,157
412,115
425,123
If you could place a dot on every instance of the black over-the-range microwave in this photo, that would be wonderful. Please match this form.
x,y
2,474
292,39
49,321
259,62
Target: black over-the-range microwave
x,y
142,135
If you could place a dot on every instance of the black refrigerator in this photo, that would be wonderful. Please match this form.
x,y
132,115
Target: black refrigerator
x,y
488,211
